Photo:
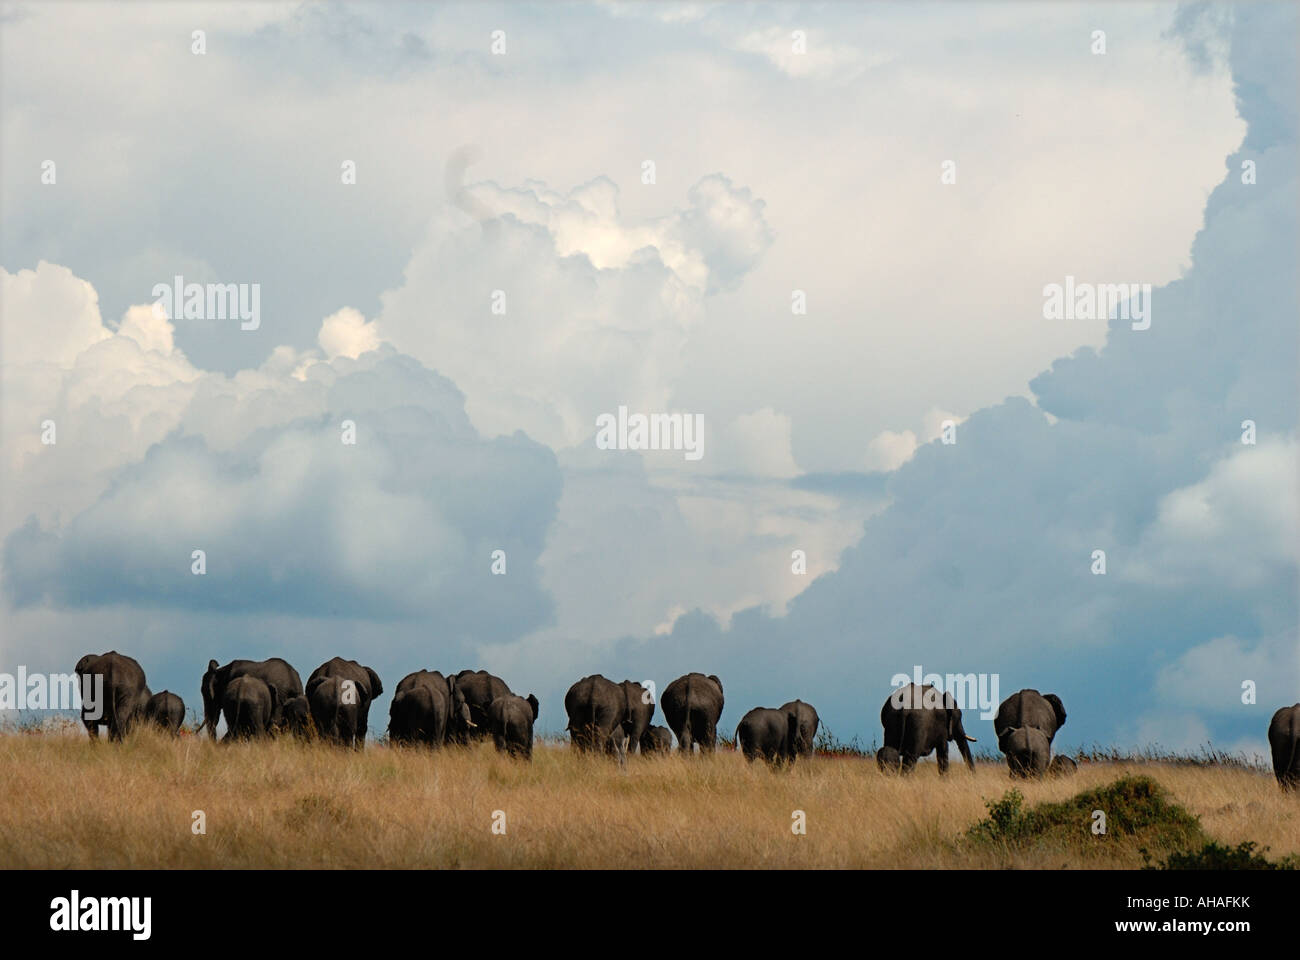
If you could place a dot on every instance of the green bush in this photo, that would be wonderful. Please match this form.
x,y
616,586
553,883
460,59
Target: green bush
x,y
1215,856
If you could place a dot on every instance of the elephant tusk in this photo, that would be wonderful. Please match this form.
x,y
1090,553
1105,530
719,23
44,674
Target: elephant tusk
x,y
472,724
971,739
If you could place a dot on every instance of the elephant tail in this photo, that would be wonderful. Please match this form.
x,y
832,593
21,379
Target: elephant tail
x,y
1295,744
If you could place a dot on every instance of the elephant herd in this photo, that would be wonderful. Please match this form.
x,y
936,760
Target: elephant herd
x,y
918,720
263,697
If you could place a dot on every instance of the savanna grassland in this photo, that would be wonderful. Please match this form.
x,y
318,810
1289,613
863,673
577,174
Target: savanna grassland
x,y
67,802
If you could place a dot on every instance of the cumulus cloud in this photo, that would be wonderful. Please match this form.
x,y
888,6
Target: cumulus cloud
x,y
982,560
256,472
559,309
347,334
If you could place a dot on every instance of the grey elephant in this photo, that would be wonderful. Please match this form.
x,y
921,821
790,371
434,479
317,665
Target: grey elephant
x,y
889,760
1062,766
428,709
512,718
598,708
772,735
364,687
1028,753
336,709
114,693
808,724
167,710
640,711
249,705
1027,749
656,739
918,720
274,672
692,705
1284,742
295,716
479,688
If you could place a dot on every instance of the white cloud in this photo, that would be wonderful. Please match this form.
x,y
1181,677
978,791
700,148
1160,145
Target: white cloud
x,y
347,334
889,450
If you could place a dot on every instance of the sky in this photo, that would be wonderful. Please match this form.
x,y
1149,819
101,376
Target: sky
x,y
475,229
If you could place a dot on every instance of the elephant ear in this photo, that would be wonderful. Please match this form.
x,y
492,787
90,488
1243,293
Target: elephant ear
x,y
83,664
532,702
1058,708
376,688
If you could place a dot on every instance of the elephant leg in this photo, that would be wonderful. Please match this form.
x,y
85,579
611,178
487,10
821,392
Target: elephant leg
x,y
908,763
710,739
941,754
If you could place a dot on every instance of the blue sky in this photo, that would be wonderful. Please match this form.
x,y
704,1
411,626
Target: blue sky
x,y
774,171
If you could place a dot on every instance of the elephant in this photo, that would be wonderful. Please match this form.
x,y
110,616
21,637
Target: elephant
x,y
428,708
889,760
1284,739
692,706
295,715
358,685
918,720
479,688
640,711
770,734
808,724
117,699
1028,751
274,672
1028,754
1062,766
512,724
656,739
336,708
249,705
598,708
167,710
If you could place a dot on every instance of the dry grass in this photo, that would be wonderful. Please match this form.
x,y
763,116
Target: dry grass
x,y
65,802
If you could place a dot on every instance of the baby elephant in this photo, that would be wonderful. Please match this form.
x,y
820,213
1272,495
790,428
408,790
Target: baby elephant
x,y
889,760
1061,766
249,706
295,716
167,710
334,709
657,739
770,734
1028,751
510,719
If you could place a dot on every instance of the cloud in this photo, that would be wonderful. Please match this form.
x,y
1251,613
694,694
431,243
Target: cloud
x,y
981,561
154,460
347,334
559,309
819,57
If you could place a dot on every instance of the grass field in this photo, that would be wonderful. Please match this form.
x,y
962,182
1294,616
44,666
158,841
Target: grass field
x,y
67,802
